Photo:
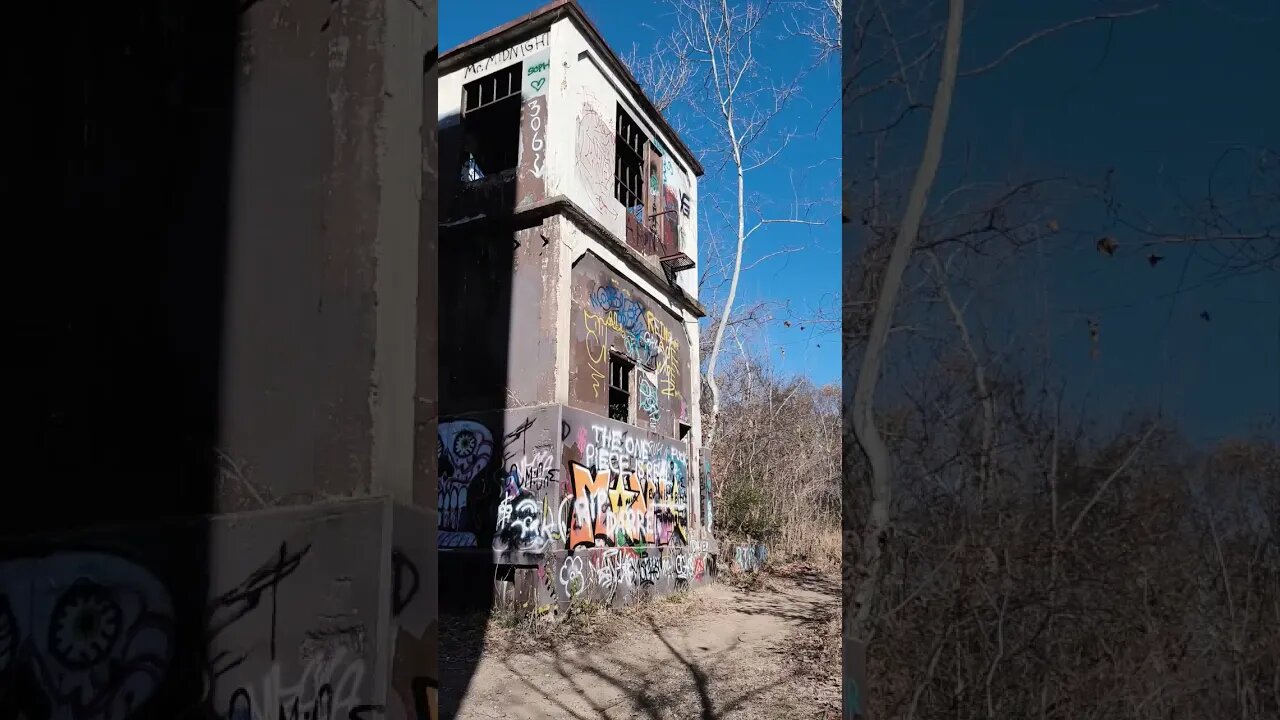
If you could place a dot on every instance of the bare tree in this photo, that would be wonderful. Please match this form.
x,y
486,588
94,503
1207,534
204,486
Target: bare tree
x,y
902,37
741,100
860,410
1235,231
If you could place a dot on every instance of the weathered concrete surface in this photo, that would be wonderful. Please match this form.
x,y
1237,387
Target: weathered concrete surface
x,y
415,613
318,335
426,397
497,334
248,350
584,507
610,314
613,576
479,453
748,557
737,658
305,608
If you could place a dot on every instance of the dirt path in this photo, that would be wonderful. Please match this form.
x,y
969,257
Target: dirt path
x,y
720,654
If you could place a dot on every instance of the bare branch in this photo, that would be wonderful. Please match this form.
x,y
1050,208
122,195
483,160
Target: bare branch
x,y
1041,34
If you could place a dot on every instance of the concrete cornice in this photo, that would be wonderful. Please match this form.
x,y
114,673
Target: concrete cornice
x,y
563,205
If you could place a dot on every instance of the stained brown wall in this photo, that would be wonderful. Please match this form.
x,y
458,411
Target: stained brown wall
x,y
609,313
497,318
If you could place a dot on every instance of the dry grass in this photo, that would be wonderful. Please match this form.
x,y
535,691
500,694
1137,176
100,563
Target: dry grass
x,y
820,548
585,624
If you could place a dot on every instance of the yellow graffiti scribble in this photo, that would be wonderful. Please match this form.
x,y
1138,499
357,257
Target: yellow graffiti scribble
x,y
595,355
668,369
666,345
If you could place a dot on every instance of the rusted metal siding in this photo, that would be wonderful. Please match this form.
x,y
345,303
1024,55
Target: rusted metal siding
x,y
608,313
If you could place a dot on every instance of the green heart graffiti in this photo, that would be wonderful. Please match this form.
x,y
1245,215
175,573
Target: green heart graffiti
x,y
537,84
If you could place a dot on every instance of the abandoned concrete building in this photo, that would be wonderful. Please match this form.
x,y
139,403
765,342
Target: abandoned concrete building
x,y
569,432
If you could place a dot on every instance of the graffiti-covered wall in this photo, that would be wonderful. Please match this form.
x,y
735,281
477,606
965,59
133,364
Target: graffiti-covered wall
x,y
498,478
288,619
621,575
531,470
533,480
620,525
414,680
610,314
626,486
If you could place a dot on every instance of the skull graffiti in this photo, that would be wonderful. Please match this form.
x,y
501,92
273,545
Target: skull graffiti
x,y
465,451
95,632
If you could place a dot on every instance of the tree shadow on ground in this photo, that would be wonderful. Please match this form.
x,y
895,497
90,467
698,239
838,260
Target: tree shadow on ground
x,y
643,688
766,600
811,579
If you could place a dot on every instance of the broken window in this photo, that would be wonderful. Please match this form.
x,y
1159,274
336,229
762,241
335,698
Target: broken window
x,y
629,170
682,431
620,388
491,124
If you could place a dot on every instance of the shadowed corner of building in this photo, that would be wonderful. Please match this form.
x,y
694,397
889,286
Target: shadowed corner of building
x,y
197,383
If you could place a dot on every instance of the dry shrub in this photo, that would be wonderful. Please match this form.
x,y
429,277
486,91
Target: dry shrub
x,y
776,463
1131,577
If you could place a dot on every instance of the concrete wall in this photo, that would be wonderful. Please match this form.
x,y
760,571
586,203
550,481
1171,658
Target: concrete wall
x,y
321,280
567,136
535,303
583,151
614,576
748,558
498,342
533,482
329,328
610,314
486,457
624,486
275,558
609,525
499,195
584,255
415,612
298,620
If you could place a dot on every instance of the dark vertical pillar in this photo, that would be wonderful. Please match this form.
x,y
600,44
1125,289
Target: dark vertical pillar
x,y
218,369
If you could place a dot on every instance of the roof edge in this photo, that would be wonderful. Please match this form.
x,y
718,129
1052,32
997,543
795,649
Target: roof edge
x,y
492,41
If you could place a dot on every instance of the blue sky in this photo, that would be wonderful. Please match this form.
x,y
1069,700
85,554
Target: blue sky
x,y
800,285
1158,103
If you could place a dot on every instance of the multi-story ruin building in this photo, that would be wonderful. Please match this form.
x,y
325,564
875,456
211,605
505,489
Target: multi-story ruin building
x,y
569,387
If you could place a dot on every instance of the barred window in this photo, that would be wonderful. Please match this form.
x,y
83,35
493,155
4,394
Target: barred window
x,y
491,124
